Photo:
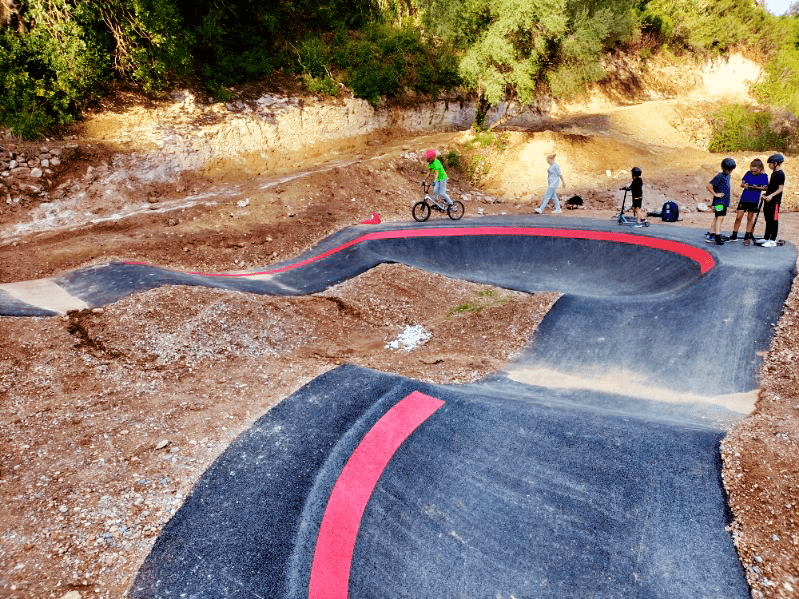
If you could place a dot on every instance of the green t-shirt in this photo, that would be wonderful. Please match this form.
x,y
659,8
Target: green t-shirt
x,y
439,168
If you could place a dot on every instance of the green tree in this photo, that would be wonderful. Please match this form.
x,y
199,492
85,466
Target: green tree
x,y
781,84
710,25
510,46
594,27
50,66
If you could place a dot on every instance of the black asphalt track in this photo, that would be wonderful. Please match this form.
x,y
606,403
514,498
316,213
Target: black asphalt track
x,y
503,488
506,491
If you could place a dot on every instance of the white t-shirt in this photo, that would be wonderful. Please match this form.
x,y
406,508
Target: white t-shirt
x,y
553,175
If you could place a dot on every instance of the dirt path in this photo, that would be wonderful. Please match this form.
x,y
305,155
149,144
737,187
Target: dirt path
x,y
108,416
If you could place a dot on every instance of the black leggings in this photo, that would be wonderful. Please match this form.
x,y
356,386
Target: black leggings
x,y
771,212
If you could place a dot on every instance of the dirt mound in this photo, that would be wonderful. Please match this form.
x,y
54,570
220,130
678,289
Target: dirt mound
x,y
110,415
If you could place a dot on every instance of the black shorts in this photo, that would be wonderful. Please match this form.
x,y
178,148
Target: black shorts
x,y
637,202
719,209
747,206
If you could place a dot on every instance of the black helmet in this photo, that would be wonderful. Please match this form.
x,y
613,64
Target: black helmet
x,y
776,159
728,164
636,171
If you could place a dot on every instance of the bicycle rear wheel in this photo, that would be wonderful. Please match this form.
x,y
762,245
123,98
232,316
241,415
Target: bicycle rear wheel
x,y
421,211
456,210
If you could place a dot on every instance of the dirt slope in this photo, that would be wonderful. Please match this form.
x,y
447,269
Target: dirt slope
x,y
107,417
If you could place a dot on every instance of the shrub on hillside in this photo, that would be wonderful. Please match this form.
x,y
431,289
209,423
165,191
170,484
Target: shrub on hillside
x,y
49,72
63,54
380,61
742,128
714,27
780,86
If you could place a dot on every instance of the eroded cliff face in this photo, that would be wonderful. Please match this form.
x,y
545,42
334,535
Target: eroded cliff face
x,y
270,134
274,132
652,115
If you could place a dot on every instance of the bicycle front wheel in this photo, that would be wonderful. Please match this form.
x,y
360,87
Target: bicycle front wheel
x,y
456,210
421,211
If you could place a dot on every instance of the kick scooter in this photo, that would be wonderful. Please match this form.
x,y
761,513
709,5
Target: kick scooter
x,y
623,219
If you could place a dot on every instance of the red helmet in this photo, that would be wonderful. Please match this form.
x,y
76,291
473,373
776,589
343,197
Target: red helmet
x,y
430,154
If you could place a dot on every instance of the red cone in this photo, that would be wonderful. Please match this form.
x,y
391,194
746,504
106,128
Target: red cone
x,y
375,220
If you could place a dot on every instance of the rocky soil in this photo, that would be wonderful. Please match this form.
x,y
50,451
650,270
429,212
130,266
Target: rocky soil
x,y
109,416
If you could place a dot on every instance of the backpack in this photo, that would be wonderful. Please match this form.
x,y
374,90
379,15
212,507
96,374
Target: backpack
x,y
670,212
574,201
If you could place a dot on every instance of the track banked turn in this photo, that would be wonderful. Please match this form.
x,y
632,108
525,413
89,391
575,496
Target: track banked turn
x,y
363,484
525,258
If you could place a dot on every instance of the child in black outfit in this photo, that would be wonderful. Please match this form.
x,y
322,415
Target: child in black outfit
x,y
771,201
637,191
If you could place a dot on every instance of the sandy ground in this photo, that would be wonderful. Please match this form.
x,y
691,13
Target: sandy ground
x,y
109,416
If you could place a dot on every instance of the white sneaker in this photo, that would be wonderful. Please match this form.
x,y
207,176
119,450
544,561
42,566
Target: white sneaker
x,y
558,211
538,211
769,244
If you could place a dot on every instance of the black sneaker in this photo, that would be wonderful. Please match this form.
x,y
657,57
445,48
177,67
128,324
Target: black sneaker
x,y
733,237
719,240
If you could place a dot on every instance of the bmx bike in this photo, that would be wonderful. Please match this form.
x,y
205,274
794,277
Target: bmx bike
x,y
422,208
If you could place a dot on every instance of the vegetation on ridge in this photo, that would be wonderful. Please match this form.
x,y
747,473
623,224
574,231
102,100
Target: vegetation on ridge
x,y
58,56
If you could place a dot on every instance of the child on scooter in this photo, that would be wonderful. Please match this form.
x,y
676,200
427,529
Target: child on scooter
x,y
637,192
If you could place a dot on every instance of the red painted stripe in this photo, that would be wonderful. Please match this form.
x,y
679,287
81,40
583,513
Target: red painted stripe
x,y
703,258
330,571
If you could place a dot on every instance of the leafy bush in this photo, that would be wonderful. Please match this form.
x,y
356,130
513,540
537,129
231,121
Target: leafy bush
x,y
226,52
477,168
383,61
325,86
30,124
483,138
313,56
740,128
781,84
370,74
66,54
145,37
48,74
453,160
714,27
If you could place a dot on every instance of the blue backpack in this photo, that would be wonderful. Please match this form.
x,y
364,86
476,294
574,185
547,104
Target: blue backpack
x,y
670,212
